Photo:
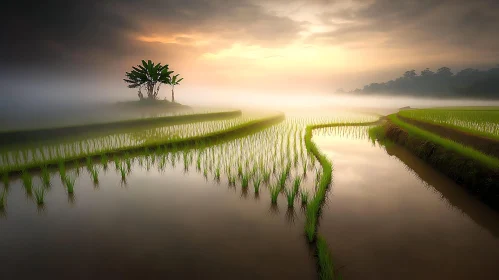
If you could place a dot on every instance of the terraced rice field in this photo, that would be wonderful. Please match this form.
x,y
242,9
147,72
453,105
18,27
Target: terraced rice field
x,y
480,122
270,202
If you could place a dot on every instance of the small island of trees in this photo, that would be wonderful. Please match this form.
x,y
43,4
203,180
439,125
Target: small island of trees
x,y
151,76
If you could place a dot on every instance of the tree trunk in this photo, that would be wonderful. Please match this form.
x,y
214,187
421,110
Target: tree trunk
x,y
150,91
173,96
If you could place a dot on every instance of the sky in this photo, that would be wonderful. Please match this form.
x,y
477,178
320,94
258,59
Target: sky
x,y
298,46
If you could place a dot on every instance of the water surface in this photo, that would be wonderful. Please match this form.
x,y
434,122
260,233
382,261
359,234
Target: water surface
x,y
390,216
169,224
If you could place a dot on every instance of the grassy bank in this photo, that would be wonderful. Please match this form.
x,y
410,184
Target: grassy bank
x,y
486,145
314,207
197,141
37,135
470,168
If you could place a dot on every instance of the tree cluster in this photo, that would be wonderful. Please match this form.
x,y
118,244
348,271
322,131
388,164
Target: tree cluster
x,y
466,83
151,76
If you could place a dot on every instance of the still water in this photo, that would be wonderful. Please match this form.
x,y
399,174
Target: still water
x,y
390,216
169,224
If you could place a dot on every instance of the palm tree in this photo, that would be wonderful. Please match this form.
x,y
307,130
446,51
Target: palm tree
x,y
148,75
173,83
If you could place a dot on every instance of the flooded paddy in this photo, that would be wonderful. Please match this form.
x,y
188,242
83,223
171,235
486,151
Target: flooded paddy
x,y
390,216
235,209
170,223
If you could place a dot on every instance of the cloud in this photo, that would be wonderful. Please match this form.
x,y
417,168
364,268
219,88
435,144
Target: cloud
x,y
270,38
55,32
407,24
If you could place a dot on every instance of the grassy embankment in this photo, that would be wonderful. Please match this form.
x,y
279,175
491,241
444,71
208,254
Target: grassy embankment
x,y
200,140
476,171
314,207
476,129
73,132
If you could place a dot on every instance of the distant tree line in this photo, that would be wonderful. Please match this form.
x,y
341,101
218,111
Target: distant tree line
x,y
466,83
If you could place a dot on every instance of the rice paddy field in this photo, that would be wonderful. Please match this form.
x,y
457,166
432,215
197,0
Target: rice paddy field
x,y
484,122
259,196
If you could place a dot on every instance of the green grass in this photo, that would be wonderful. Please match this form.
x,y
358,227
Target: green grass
x,y
478,122
488,161
314,206
326,266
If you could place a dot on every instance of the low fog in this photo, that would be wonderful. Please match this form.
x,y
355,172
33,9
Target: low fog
x,y
41,104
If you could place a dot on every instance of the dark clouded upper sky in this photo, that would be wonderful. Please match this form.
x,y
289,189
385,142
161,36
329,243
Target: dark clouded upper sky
x,y
267,42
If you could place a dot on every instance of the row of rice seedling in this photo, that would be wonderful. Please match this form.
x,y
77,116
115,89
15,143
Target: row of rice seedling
x,y
273,157
479,122
277,158
18,159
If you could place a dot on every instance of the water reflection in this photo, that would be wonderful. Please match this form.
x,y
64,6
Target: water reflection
x,y
456,196
385,217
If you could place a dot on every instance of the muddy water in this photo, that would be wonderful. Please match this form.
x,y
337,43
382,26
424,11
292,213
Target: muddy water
x,y
390,216
171,225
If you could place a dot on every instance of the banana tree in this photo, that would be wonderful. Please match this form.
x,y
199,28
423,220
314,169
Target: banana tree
x,y
149,76
173,82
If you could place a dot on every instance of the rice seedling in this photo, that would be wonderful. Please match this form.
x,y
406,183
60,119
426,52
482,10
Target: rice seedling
x,y
296,185
45,177
282,180
198,164
69,182
123,173
290,196
104,160
40,195
245,181
239,170
478,122
62,170
89,162
27,182
304,197
274,194
128,162
256,185
117,164
232,180
217,174
94,172
266,176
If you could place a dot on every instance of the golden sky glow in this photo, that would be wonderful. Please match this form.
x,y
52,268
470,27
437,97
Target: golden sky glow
x,y
344,43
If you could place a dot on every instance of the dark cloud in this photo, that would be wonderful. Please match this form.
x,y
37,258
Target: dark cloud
x,y
77,32
407,23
